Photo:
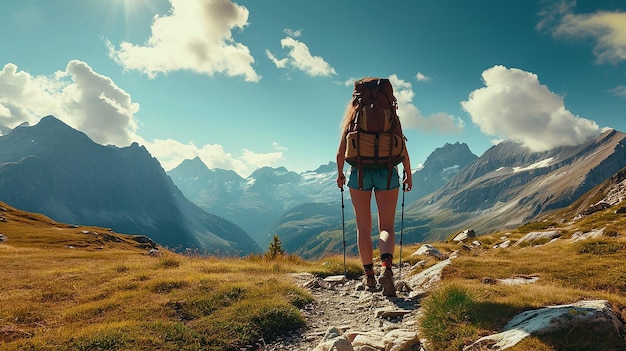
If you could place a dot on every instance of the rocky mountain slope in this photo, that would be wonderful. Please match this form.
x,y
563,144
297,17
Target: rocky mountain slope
x,y
58,171
510,185
257,202
441,165
294,206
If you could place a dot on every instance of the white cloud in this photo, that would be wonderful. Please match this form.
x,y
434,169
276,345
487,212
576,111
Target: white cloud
x,y
608,29
256,160
278,147
78,96
196,36
293,33
95,105
282,63
619,91
421,77
98,107
514,105
171,153
299,57
412,117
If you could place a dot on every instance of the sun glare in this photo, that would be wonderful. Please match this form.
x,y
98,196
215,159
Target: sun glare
x,y
129,13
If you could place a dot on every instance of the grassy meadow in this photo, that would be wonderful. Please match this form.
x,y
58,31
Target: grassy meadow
x,y
86,288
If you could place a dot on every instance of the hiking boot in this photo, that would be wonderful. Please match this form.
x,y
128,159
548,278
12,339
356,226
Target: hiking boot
x,y
370,280
386,281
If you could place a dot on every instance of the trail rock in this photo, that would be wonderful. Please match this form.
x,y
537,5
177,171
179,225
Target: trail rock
x,y
429,250
465,235
334,341
578,236
401,340
595,315
532,236
426,279
371,339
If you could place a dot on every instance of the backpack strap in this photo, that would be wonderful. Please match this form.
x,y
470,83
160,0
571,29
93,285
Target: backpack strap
x,y
390,164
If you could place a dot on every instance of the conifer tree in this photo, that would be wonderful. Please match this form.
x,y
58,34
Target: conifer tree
x,y
275,248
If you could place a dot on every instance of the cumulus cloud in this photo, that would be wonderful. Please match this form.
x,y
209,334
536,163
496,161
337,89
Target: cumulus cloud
x,y
95,105
195,36
607,29
300,58
413,118
79,96
514,105
171,153
421,77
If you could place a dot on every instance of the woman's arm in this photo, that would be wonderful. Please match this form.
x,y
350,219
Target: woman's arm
x,y
341,158
408,176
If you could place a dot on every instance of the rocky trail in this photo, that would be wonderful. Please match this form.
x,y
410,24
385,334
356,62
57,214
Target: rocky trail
x,y
347,317
344,312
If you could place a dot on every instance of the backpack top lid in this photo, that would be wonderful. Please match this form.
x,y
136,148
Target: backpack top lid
x,y
375,106
367,90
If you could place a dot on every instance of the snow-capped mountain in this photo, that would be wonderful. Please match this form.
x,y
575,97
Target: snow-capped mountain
x,y
269,197
258,201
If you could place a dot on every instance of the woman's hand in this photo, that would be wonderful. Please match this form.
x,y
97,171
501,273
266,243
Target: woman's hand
x,y
407,183
341,180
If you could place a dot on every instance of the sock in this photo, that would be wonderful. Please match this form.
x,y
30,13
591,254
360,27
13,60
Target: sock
x,y
369,269
386,259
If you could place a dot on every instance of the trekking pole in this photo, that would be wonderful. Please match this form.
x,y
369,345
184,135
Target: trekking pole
x,y
343,229
401,228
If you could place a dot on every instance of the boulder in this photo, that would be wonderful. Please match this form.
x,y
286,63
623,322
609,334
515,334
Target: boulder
x,y
533,236
429,250
594,315
465,235
334,341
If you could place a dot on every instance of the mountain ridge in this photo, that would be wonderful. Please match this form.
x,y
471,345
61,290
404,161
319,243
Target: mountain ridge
x,y
53,169
510,185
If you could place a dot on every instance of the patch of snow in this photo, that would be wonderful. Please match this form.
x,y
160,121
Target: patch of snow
x,y
455,167
540,164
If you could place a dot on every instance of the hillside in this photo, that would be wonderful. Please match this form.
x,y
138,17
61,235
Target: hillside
x,y
510,185
86,288
202,302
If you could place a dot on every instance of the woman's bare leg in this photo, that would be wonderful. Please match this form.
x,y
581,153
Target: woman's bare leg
x,y
386,201
361,200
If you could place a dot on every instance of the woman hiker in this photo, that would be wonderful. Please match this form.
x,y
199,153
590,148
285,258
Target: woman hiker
x,y
363,180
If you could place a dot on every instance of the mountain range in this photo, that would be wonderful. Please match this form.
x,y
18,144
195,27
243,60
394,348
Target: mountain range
x,y
53,169
510,185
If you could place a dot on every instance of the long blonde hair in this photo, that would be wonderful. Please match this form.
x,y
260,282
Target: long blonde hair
x,y
348,115
350,110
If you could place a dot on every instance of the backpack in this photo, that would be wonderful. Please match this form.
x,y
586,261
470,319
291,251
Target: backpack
x,y
374,137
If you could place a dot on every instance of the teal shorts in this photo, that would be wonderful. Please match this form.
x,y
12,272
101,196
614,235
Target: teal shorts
x,y
374,179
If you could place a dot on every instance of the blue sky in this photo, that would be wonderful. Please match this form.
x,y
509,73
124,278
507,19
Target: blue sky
x,y
252,83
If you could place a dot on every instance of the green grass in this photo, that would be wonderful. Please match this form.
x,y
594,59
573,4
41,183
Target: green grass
x,y
464,308
66,290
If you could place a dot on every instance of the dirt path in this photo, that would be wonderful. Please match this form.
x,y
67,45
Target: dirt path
x,y
345,305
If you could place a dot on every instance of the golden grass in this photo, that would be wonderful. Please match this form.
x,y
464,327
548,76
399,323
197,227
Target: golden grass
x,y
567,271
88,289
81,289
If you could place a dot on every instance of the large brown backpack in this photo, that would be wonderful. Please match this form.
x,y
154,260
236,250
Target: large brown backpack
x,y
374,137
